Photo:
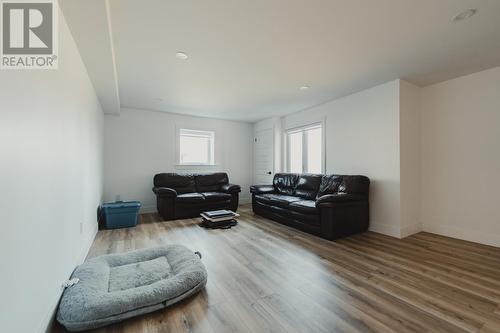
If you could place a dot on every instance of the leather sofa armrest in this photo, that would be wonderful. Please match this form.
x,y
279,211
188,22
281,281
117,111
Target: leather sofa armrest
x,y
330,199
164,192
231,188
261,189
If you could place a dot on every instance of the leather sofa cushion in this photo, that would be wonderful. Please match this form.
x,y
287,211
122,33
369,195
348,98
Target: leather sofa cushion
x,y
307,186
190,198
285,183
304,206
180,183
329,185
289,215
216,196
211,182
278,200
304,218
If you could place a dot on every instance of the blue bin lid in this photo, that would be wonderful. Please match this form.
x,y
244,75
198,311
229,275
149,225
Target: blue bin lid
x,y
121,204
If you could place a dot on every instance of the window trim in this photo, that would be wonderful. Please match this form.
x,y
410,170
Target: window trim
x,y
194,131
302,128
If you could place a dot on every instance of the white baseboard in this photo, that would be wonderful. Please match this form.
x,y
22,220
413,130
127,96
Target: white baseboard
x,y
48,321
467,234
245,200
409,230
147,210
385,229
87,244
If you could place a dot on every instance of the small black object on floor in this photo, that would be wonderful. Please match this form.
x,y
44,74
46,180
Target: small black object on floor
x,y
227,224
218,219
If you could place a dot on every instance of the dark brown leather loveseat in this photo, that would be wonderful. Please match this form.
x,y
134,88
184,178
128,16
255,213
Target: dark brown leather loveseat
x,y
330,206
187,195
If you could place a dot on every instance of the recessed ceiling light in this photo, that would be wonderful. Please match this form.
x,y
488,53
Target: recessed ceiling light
x,y
305,88
181,55
465,14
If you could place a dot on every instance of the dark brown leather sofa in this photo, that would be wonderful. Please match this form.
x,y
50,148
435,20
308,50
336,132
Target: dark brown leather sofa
x,y
329,206
187,195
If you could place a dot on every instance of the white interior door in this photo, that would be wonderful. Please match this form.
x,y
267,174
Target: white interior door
x,y
263,157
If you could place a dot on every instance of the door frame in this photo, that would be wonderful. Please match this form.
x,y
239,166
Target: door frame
x,y
273,150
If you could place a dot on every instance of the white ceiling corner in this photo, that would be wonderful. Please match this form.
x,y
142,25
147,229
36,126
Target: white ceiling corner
x,y
90,25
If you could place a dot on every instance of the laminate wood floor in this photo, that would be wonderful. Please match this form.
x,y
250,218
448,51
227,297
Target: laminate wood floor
x,y
265,277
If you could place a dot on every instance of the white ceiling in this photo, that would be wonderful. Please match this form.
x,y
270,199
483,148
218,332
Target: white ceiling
x,y
247,59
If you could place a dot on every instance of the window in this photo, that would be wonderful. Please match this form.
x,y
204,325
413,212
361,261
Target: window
x,y
196,147
305,149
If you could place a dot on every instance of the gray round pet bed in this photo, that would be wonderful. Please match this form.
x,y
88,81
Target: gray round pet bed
x,y
119,286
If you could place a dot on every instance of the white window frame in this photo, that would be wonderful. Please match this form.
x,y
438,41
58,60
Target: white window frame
x,y
303,128
194,132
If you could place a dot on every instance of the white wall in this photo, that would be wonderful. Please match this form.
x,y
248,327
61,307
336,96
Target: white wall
x,y
51,178
362,137
461,157
409,138
140,144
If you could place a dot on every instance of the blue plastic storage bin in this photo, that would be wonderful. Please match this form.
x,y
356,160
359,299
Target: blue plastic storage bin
x,y
120,214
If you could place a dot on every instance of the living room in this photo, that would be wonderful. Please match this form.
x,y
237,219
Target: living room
x,y
250,166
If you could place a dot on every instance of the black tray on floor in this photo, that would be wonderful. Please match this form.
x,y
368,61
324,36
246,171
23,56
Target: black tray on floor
x,y
227,224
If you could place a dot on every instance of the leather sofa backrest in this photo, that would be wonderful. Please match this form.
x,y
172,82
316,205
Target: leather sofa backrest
x,y
211,182
285,183
181,183
308,185
329,184
354,185
311,186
